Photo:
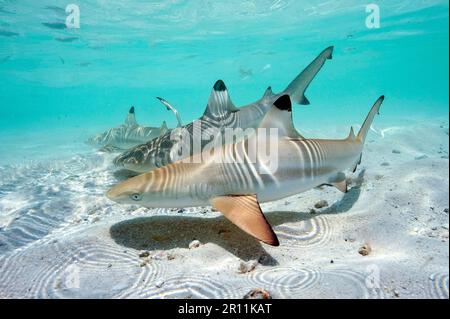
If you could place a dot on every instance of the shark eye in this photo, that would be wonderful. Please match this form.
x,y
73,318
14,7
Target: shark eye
x,y
136,196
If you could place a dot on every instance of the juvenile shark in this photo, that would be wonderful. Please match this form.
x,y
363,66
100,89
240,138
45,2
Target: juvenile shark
x,y
127,135
235,185
220,113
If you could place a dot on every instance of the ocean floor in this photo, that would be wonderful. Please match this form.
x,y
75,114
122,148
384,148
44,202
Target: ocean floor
x,y
60,237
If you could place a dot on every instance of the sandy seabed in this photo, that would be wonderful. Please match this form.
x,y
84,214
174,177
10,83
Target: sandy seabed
x,y
60,237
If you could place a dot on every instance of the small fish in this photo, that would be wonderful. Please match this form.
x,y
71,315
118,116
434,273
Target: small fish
x,y
6,11
6,33
245,74
83,64
55,25
58,10
6,59
266,67
67,39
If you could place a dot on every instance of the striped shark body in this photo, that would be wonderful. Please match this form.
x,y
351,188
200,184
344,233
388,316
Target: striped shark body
x,y
234,182
127,135
220,113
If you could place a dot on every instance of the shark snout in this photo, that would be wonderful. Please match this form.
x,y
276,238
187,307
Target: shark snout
x,y
131,191
114,193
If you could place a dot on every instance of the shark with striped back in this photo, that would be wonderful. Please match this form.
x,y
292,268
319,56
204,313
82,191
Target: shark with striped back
x,y
236,187
220,113
127,135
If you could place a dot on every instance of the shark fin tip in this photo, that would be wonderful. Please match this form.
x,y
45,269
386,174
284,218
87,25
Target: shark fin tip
x,y
331,49
220,86
304,101
284,103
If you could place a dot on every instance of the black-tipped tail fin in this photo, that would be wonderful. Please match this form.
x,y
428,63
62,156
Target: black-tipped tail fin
x,y
296,89
170,107
362,134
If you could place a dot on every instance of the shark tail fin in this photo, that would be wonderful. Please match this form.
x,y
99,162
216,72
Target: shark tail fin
x,y
296,89
170,107
361,137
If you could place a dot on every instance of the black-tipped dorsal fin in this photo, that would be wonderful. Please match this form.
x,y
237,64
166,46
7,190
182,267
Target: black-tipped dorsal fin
x,y
280,116
130,120
219,102
268,93
244,211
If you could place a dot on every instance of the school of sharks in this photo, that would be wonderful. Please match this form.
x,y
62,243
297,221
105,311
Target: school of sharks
x,y
265,159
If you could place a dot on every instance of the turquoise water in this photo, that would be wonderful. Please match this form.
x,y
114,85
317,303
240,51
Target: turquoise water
x,y
60,86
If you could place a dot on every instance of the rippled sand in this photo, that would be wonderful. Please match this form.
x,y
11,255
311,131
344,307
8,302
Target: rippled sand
x,y
61,238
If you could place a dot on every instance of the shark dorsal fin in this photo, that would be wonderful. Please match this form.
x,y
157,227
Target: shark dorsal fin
x,y
130,120
219,102
280,116
268,93
163,129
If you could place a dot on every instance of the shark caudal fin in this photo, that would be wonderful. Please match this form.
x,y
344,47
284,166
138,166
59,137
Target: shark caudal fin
x,y
369,119
170,107
296,89
130,120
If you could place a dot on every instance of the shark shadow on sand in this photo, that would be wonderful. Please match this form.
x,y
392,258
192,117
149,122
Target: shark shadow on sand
x,y
170,232
349,199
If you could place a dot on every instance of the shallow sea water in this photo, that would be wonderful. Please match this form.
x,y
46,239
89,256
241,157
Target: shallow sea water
x,y
60,237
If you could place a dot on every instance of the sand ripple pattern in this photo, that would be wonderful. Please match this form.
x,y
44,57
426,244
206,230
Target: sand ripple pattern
x,y
439,286
37,198
288,282
66,270
189,287
285,282
349,283
310,233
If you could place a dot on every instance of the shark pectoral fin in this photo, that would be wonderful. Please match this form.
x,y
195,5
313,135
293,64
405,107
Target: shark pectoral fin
x,y
357,163
244,212
339,181
342,186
